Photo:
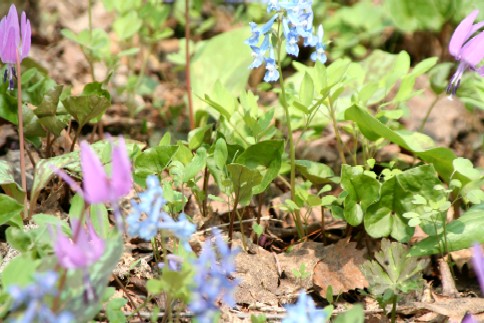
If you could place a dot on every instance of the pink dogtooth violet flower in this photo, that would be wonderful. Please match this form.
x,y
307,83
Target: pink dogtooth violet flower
x,y
15,42
97,186
468,50
80,252
83,250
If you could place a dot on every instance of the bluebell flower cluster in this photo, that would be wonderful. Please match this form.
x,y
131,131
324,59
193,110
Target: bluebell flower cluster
x,y
304,311
150,206
30,300
212,281
297,22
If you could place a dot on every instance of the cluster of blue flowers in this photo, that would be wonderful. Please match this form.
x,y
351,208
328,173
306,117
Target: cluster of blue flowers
x,y
212,282
32,297
297,22
151,206
304,311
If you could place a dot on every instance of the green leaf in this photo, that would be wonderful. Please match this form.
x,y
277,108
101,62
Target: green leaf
x,y
244,180
154,286
392,269
475,196
175,283
317,173
266,158
385,218
231,68
19,271
97,42
439,77
459,234
363,190
466,168
18,239
154,160
257,228
411,15
8,184
220,153
419,144
354,315
127,25
11,211
306,92
92,103
397,196
44,172
406,91
199,136
113,310
260,318
48,219
196,165
48,114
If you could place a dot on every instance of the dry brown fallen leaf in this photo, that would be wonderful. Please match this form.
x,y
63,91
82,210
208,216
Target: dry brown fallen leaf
x,y
274,278
339,267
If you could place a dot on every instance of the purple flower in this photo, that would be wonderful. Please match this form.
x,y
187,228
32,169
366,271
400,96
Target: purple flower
x,y
97,186
468,50
174,262
28,302
468,318
478,263
304,311
15,41
212,283
82,251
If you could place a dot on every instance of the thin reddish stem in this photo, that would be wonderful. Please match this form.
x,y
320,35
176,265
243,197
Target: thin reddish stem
x,y
187,65
21,136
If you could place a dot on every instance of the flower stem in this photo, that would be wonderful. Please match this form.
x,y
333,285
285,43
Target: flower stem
x,y
21,136
432,106
292,150
187,65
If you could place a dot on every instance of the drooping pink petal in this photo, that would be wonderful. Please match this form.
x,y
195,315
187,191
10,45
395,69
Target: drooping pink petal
x,y
68,254
462,34
473,51
71,182
95,182
121,177
26,36
82,252
12,23
9,53
97,245
476,27
3,33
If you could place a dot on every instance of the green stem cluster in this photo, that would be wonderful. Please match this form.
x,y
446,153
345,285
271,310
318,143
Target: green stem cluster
x,y
292,148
